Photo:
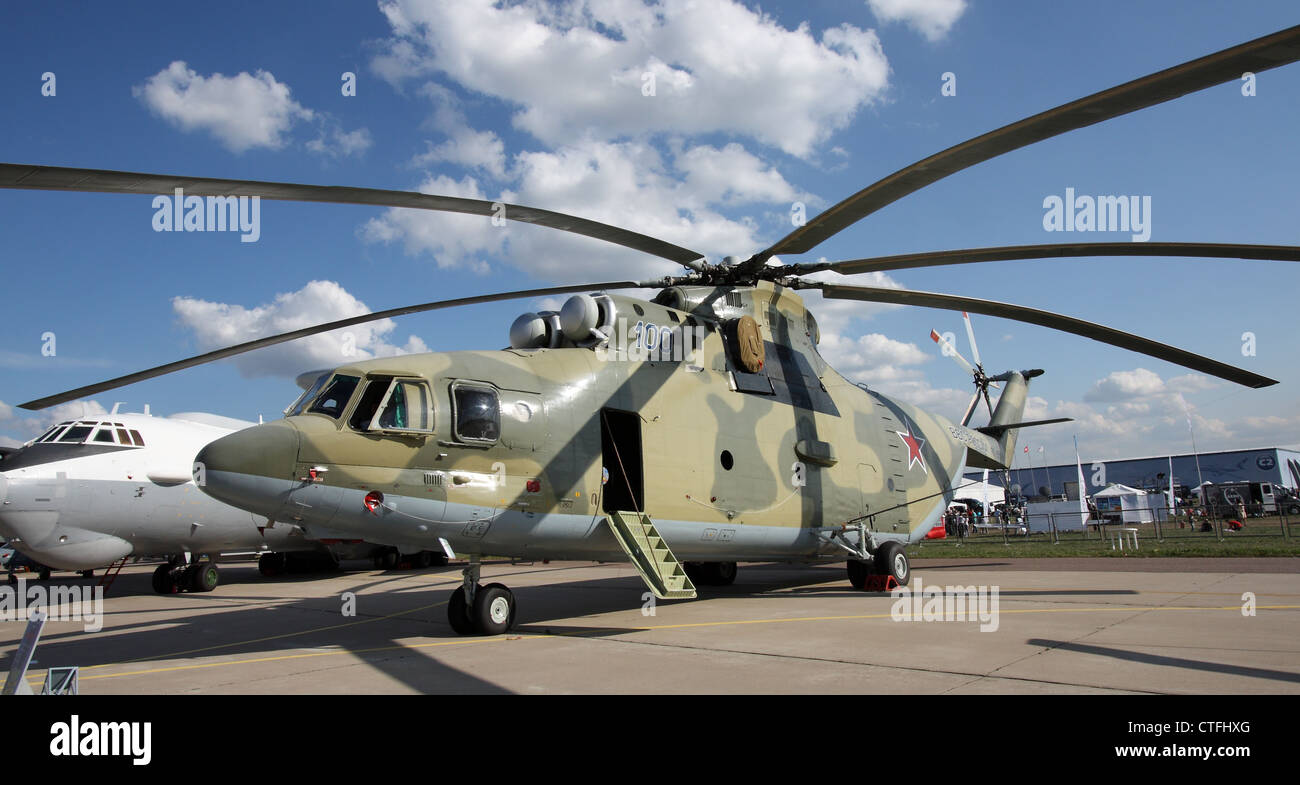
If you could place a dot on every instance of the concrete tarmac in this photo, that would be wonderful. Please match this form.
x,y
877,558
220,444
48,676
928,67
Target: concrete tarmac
x,y
1062,626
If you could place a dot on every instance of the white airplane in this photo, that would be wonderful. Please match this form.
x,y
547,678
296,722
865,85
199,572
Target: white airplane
x,y
94,490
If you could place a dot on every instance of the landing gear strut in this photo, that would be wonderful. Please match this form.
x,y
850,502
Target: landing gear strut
x,y
480,610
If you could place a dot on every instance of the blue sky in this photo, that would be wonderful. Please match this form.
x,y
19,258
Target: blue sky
x,y
755,107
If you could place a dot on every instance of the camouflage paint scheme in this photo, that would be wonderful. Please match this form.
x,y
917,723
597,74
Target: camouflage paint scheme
x,y
852,444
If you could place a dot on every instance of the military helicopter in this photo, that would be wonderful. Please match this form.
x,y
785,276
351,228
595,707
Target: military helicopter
x,y
684,433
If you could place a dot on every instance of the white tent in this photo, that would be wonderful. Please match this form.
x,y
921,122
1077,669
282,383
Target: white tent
x,y
985,492
1133,505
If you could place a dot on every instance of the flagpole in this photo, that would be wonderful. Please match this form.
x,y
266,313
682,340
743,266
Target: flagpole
x,y
1042,451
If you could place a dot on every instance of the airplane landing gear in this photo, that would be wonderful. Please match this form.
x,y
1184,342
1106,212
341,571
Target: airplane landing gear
x,y
163,580
711,573
480,610
176,576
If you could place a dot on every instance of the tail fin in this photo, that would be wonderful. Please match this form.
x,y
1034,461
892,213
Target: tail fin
x,y
1009,411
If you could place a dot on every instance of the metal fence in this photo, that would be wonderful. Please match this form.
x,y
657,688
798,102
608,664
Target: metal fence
x,y
1115,529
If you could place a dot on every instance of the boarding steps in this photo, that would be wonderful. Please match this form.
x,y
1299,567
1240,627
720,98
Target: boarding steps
x,y
110,572
651,556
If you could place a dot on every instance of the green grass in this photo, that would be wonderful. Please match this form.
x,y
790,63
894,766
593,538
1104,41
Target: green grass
x,y
1261,537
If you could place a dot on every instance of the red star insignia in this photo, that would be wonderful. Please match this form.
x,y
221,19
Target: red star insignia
x,y
914,444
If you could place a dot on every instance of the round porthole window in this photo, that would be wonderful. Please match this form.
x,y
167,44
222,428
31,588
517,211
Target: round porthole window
x,y
727,461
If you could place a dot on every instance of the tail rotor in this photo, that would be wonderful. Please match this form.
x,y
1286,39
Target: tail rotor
x,y
980,379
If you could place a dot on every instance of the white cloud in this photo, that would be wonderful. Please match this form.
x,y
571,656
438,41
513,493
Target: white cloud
x,y
627,184
931,18
220,324
337,143
1124,385
717,66
21,426
242,111
453,239
732,176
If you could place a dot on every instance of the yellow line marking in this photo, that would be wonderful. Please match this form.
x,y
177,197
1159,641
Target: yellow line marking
x,y
538,636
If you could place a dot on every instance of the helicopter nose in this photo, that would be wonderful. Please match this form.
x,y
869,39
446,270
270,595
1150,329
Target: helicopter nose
x,y
251,469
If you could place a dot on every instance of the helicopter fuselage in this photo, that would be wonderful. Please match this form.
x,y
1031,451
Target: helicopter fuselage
x,y
522,452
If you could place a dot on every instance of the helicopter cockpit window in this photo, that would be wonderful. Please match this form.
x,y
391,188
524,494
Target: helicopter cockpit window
x,y
308,395
390,404
409,407
376,389
477,413
334,399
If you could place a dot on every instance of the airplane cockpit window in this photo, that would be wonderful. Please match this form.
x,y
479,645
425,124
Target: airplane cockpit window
x,y
478,416
307,396
86,432
334,399
77,433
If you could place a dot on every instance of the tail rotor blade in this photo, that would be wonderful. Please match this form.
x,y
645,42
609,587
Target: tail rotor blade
x,y
952,352
970,408
970,333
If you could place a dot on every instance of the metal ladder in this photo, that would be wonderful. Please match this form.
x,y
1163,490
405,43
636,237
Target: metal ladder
x,y
651,556
110,572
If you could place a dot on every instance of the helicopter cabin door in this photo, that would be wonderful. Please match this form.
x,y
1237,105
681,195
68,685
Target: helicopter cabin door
x,y
620,450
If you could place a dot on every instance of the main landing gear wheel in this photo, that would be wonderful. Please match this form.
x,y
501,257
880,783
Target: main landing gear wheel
x,y
204,577
494,609
719,573
858,572
458,612
271,564
163,582
891,559
711,573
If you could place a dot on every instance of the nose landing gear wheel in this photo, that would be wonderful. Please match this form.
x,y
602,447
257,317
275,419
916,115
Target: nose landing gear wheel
x,y
891,559
494,609
858,572
458,612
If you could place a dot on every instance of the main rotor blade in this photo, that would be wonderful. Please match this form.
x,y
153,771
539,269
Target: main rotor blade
x,y
1261,54
58,178
1272,253
1055,321
248,346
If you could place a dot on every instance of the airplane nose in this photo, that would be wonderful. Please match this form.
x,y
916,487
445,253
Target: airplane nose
x,y
251,469
4,488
